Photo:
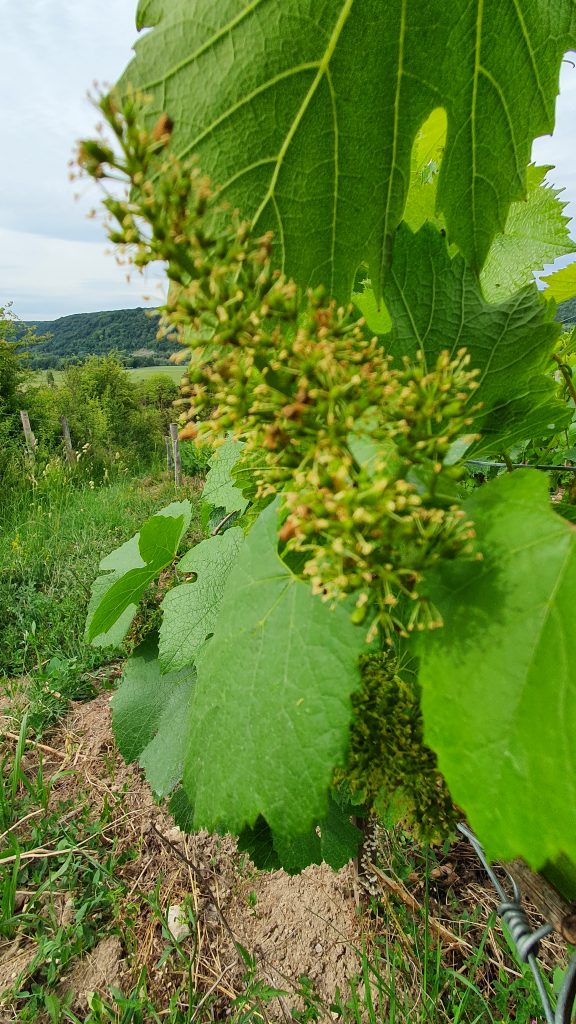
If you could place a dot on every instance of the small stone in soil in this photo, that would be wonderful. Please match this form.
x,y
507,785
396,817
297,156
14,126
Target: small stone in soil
x,y
177,924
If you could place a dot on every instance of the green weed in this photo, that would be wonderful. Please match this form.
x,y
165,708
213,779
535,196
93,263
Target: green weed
x,y
49,554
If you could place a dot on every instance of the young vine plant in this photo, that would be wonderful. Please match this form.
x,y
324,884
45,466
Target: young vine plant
x,y
350,225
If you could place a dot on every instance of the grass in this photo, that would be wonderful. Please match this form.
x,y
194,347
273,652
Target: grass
x,y
417,978
67,854
59,855
144,372
50,547
135,373
56,855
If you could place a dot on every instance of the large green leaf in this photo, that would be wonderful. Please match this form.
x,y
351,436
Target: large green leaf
x,y
499,681
305,112
334,840
427,155
190,610
536,233
373,310
536,230
561,285
127,572
436,303
272,705
220,491
151,717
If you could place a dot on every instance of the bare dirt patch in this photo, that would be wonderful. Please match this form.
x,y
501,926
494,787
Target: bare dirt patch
x,y
292,926
302,925
313,925
95,972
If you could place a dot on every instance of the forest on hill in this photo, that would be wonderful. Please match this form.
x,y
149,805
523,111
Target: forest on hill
x,y
567,313
130,333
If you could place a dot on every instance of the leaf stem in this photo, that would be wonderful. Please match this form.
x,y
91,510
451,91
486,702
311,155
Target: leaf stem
x,y
567,374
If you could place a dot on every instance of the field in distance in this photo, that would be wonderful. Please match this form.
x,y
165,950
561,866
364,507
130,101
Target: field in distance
x,y
135,373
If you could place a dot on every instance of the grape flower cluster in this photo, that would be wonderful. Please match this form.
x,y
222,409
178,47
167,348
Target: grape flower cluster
x,y
356,443
389,767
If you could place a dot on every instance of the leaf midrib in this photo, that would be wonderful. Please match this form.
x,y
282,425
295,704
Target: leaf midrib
x,y
323,67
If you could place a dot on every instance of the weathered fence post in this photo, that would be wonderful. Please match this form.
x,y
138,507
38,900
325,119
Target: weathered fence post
x,y
176,453
70,453
169,460
31,441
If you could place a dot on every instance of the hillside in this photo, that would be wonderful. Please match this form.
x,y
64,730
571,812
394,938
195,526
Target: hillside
x,y
129,332
132,334
567,312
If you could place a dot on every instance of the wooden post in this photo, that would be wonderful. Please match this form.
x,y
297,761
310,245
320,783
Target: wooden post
x,y
554,908
169,460
70,453
31,441
176,454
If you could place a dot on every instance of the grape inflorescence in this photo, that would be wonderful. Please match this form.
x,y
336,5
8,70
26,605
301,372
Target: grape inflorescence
x,y
357,445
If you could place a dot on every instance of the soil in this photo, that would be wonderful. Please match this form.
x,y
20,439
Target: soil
x,y
96,972
314,925
293,926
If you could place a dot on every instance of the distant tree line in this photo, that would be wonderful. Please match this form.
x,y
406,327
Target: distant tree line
x,y
567,313
128,333
116,424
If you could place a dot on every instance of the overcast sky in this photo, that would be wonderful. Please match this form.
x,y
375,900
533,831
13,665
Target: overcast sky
x,y
53,260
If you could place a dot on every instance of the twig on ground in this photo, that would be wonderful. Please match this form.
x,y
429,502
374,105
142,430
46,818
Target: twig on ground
x,y
35,743
399,890
212,989
33,814
202,883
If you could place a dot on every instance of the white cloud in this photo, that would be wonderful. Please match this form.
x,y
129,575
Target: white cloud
x,y
50,55
51,277
51,51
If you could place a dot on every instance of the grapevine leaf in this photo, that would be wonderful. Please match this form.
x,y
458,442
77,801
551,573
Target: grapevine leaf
x,y
149,13
340,838
427,155
536,233
258,842
436,303
151,717
373,311
190,610
272,704
306,114
562,874
219,488
536,230
499,686
129,570
181,810
297,852
334,840
561,285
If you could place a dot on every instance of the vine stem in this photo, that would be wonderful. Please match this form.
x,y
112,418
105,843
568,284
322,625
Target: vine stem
x,y
521,465
565,371
222,524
